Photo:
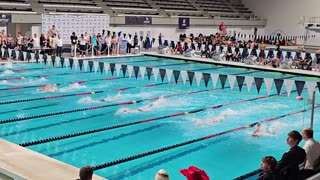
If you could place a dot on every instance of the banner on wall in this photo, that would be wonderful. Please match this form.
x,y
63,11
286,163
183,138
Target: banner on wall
x,y
138,20
184,23
5,19
66,24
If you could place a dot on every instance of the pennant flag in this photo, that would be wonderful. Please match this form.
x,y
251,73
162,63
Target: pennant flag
x,y
136,71
190,75
268,83
284,53
124,35
240,80
278,83
141,38
249,51
124,69
311,85
313,55
130,69
142,71
303,55
62,61
176,75
53,59
153,40
57,61
206,77
214,78
223,79
112,67
155,73
299,86
318,84
90,65
162,74
288,84
76,64
169,74
118,67
96,66
258,82
149,72
198,77
184,76
101,65
80,64
71,63
66,62
232,79
106,68
293,54
241,50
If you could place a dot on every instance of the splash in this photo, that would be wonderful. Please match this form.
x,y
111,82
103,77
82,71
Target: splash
x,y
87,100
72,87
8,65
6,72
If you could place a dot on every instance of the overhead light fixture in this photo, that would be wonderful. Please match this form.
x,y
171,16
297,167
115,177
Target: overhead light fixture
x,y
136,9
18,12
75,13
13,4
70,6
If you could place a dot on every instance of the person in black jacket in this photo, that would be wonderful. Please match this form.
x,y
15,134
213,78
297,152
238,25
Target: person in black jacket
x,y
74,41
288,168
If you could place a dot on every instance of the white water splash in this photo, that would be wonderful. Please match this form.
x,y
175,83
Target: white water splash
x,y
72,87
8,65
6,73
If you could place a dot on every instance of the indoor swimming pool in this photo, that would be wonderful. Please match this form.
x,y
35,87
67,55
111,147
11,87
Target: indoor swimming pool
x,y
128,126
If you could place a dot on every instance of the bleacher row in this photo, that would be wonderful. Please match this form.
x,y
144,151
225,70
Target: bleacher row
x,y
201,8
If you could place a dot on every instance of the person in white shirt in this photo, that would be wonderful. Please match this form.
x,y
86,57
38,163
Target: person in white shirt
x,y
53,43
312,148
59,46
82,42
36,41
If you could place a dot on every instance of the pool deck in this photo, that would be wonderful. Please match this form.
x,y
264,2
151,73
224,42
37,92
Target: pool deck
x,y
237,64
31,165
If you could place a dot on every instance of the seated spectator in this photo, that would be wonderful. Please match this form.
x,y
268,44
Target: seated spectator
x,y
161,175
177,49
312,148
236,55
194,173
229,53
288,168
267,165
298,62
86,173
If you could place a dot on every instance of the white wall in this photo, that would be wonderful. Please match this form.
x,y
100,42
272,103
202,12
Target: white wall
x,y
285,15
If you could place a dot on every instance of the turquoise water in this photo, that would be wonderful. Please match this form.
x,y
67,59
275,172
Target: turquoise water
x,y
225,156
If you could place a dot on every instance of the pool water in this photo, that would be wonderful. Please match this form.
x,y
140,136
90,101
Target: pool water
x,y
75,107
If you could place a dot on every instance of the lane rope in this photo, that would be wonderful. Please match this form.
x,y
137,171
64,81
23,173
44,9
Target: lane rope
x,y
120,125
137,156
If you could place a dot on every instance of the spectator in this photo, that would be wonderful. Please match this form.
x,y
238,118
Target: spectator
x,y
194,173
160,39
288,168
59,46
161,175
86,173
73,39
267,165
318,60
312,148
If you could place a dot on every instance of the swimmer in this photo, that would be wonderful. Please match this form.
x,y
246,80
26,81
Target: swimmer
x,y
208,121
49,88
109,99
142,109
256,130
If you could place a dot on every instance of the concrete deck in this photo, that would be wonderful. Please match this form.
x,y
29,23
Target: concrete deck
x,y
34,166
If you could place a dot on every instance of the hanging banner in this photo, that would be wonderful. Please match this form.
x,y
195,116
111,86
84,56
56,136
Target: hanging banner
x,y
138,20
184,23
5,19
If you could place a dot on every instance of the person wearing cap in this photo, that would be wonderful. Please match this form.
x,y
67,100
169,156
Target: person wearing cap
x,y
288,168
194,173
86,173
161,175
73,39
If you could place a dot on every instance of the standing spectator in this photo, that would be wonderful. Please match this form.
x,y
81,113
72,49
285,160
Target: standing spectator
x,y
267,165
86,173
36,41
135,40
19,40
82,42
160,39
73,39
42,40
312,148
318,60
53,31
53,43
129,44
288,168
147,43
59,46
